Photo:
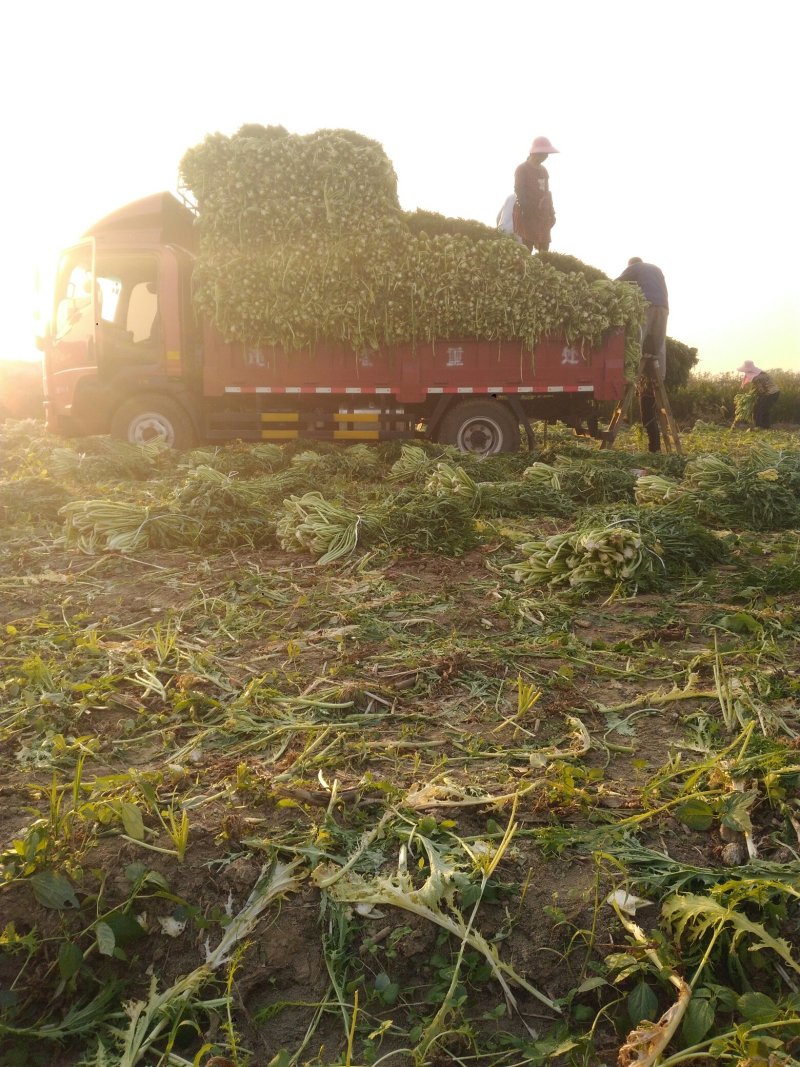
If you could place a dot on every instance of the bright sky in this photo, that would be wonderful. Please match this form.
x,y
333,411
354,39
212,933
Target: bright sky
x,y
677,125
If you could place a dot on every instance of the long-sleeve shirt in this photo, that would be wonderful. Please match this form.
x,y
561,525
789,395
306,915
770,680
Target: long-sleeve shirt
x,y
650,280
763,384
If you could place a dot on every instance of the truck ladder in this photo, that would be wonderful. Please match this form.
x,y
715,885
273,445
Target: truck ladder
x,y
649,378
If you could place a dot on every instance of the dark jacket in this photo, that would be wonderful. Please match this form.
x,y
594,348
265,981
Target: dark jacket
x,y
650,280
536,214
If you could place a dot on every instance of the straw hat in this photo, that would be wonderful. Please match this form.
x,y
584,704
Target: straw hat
x,y
542,144
749,367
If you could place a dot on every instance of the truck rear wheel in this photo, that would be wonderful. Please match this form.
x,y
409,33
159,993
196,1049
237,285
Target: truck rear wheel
x,y
480,426
152,417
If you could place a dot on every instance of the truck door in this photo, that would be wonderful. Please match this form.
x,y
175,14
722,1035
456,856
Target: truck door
x,y
72,347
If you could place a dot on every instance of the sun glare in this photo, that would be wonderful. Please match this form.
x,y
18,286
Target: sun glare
x,y
455,141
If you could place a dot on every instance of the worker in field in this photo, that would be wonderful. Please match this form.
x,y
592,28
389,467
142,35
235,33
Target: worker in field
x,y
766,391
650,280
534,216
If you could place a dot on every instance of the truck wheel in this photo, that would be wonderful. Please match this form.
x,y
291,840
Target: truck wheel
x,y
480,426
151,417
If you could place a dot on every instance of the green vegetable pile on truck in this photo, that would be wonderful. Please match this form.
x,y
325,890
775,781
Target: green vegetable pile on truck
x,y
291,297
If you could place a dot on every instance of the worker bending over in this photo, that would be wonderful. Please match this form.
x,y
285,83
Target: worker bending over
x,y
767,393
651,281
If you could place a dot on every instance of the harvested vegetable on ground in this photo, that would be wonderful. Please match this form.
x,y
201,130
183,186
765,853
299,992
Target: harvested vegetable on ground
x,y
245,461
32,497
117,526
758,491
657,491
104,459
632,548
417,521
414,463
522,498
314,524
454,481
590,482
533,496
595,557
543,476
228,510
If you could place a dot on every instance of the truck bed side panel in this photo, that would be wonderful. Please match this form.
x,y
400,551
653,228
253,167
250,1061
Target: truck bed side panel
x,y
410,374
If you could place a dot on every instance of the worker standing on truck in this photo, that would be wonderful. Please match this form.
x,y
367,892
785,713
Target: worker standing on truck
x,y
534,216
650,280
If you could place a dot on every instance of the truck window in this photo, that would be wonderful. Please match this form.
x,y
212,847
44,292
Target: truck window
x,y
142,310
74,312
127,284
110,289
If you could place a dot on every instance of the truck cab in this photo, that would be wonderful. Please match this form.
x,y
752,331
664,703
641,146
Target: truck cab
x,y
123,331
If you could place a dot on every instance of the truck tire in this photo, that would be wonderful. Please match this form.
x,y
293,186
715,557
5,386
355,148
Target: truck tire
x,y
151,416
480,426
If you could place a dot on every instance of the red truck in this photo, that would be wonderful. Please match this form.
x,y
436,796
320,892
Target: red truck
x,y
127,355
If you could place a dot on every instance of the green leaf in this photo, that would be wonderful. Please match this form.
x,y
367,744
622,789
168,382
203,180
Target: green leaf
x,y
698,915
70,959
582,1013
625,965
591,983
427,825
734,808
497,1012
106,941
642,1003
740,623
725,997
758,1008
698,1020
124,927
386,989
566,1045
148,792
53,891
696,814
132,821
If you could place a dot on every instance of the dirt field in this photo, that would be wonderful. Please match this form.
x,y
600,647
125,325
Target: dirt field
x,y
262,811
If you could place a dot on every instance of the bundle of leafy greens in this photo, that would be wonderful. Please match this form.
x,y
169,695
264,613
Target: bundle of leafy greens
x,y
302,240
759,491
633,549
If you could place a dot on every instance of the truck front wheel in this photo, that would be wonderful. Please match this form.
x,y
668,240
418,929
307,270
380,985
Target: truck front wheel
x,y
480,426
153,417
